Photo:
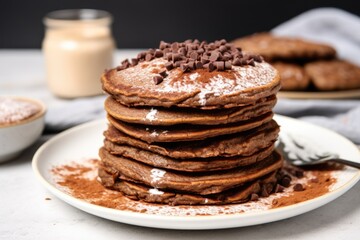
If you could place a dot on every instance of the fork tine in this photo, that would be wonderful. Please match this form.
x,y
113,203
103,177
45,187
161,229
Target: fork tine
x,y
297,144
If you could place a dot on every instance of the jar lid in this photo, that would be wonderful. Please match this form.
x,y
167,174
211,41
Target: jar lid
x,y
68,16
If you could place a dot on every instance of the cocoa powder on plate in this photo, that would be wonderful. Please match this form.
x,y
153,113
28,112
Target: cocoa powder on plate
x,y
80,180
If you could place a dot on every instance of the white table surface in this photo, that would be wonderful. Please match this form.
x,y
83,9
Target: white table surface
x,y
25,214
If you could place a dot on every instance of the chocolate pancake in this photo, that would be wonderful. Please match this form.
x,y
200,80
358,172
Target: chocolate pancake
x,y
200,183
200,88
293,77
153,195
186,165
334,75
186,132
172,116
247,143
273,47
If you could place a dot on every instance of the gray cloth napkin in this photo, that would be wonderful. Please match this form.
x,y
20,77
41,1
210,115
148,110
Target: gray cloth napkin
x,y
342,116
333,26
73,112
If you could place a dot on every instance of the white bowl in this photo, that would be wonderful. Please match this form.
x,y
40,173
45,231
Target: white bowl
x,y
17,136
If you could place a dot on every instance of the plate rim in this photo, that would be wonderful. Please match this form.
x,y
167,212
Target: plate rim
x,y
189,220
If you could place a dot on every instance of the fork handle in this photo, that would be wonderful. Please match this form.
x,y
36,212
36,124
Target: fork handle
x,y
346,162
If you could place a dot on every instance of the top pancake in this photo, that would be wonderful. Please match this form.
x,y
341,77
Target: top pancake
x,y
242,85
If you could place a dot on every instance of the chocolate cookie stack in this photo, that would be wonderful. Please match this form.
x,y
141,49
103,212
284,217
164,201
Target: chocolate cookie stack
x,y
191,123
302,64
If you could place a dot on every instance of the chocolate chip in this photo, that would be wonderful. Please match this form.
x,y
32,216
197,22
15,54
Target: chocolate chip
x,y
175,47
298,187
285,181
299,173
151,50
148,57
134,61
264,192
236,62
211,66
222,41
228,65
125,61
178,63
124,64
163,45
251,62
278,188
141,55
169,66
191,65
169,56
182,51
176,57
158,54
194,55
314,180
121,67
184,67
222,49
269,187
163,74
166,50
258,58
157,79
243,62
198,65
220,65
205,60
226,57
254,197
214,56
228,45
200,51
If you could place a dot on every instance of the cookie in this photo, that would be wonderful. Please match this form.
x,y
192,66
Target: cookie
x,y
333,75
293,77
273,48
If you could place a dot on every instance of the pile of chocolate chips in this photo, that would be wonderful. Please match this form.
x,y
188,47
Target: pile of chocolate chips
x,y
193,54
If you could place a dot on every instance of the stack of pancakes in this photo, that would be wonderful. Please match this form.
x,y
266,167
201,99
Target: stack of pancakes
x,y
191,123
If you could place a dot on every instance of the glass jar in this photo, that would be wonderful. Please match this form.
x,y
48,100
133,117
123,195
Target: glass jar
x,y
78,47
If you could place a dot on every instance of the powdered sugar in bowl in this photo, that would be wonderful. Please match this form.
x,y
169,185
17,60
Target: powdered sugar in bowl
x,y
21,124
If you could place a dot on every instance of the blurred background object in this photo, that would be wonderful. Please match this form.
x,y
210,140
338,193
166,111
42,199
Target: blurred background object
x,y
142,24
78,46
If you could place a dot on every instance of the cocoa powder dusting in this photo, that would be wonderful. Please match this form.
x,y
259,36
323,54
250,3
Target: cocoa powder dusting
x,y
73,178
80,180
318,185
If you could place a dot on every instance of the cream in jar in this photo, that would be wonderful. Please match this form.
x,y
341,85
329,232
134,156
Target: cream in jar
x,y
78,46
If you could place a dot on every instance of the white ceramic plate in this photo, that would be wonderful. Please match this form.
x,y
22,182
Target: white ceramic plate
x,y
341,94
83,142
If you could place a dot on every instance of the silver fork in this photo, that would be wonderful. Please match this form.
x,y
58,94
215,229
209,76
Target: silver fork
x,y
301,155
